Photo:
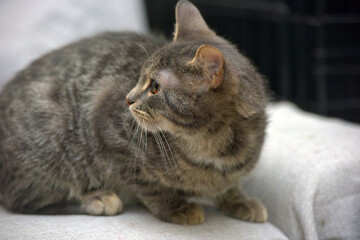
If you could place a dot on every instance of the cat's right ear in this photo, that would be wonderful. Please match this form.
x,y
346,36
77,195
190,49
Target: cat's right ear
x,y
189,23
211,61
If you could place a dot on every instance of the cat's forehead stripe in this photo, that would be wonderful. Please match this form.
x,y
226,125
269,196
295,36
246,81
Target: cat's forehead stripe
x,y
166,77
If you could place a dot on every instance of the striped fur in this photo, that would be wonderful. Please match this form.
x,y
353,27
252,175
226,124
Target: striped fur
x,y
70,144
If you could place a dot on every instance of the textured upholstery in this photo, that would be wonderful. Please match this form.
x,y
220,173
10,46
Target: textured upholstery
x,y
134,223
308,177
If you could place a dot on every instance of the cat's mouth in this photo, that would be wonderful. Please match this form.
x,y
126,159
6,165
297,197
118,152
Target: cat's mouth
x,y
142,114
144,119
150,121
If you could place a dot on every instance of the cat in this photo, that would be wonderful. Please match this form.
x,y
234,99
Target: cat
x,y
124,117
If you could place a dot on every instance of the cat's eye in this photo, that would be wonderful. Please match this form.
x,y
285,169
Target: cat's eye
x,y
155,87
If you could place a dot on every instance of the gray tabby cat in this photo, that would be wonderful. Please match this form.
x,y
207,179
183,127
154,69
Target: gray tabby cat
x,y
122,116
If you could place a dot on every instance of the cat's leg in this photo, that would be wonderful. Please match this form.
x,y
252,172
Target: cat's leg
x,y
93,203
170,206
101,203
236,205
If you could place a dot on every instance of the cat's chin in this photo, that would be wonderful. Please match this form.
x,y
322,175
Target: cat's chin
x,y
153,125
149,126
148,122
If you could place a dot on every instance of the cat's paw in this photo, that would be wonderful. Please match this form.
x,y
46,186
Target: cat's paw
x,y
249,210
101,203
187,214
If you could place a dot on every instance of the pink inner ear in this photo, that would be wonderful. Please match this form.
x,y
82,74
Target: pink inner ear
x,y
212,61
210,55
213,64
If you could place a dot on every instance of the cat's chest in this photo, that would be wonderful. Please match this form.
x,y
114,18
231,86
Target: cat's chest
x,y
204,179
181,170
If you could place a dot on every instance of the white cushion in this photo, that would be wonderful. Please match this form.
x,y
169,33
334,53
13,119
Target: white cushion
x,y
134,223
308,175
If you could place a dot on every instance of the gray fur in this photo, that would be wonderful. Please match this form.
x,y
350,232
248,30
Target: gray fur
x,y
66,131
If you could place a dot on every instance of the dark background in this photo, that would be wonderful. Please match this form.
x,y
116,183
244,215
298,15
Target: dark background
x,y
308,49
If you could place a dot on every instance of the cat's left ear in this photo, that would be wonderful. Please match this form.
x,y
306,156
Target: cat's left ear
x,y
211,61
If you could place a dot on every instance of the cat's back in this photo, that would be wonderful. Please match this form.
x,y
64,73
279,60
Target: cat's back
x,y
65,76
61,82
43,108
90,59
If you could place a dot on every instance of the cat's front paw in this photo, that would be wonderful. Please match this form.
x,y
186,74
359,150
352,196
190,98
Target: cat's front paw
x,y
249,210
101,203
186,214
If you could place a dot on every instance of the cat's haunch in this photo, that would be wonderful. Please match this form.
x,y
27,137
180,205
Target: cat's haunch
x,y
124,117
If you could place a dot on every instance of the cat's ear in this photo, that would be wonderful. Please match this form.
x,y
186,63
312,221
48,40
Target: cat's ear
x,y
211,61
189,22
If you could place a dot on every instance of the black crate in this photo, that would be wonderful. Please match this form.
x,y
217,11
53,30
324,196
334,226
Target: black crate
x,y
309,50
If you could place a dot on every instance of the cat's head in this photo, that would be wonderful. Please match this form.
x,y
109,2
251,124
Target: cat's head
x,y
196,82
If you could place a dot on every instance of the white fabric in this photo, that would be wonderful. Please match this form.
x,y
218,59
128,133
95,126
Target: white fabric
x,y
309,175
30,28
134,223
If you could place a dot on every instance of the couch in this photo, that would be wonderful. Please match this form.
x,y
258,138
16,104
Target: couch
x,y
308,176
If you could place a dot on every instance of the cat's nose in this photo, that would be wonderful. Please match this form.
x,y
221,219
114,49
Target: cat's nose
x,y
129,101
132,96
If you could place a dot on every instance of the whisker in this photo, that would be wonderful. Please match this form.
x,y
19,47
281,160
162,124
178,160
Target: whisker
x,y
171,152
145,147
136,140
141,46
156,136
134,136
167,155
167,158
146,142
140,138
140,142
137,150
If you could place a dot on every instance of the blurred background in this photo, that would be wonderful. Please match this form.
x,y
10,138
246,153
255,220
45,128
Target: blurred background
x,y
309,50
